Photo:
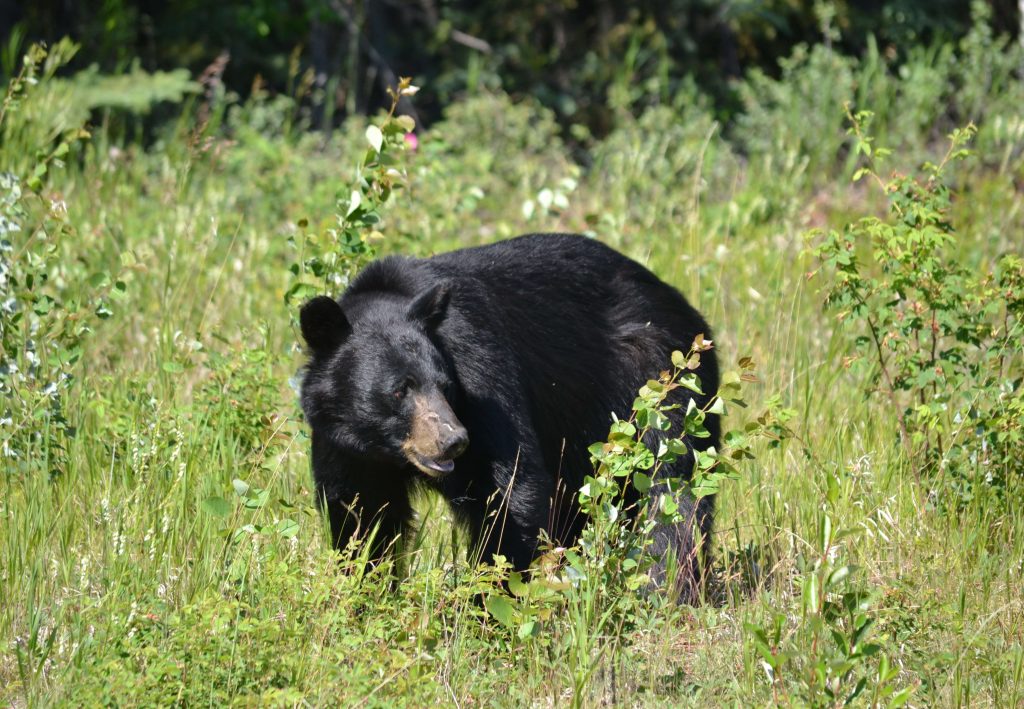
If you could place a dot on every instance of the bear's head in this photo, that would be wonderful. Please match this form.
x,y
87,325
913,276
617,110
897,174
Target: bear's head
x,y
380,389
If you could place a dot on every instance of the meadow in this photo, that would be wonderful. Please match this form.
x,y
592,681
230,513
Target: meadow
x,y
159,538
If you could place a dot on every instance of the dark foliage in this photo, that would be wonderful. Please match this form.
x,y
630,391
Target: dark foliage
x,y
573,55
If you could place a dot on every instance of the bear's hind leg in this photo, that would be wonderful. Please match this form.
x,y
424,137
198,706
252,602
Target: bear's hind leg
x,y
683,551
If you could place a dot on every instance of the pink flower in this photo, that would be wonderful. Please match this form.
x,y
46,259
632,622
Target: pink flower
x,y
412,141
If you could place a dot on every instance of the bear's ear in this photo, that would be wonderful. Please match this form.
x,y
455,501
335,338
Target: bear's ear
x,y
430,306
324,325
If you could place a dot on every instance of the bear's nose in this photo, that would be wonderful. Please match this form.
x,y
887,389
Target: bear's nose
x,y
456,445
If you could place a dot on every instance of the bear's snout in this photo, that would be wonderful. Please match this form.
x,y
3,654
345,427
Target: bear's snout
x,y
436,436
456,445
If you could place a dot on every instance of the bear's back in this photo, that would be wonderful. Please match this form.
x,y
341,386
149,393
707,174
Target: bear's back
x,y
584,327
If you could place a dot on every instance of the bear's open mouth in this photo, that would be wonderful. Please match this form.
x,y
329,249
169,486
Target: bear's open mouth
x,y
433,467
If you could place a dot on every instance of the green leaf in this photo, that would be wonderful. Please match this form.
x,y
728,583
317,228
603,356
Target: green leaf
x,y
691,381
641,482
734,439
825,532
901,697
375,137
527,630
287,528
301,291
832,492
241,487
353,202
217,506
256,498
500,609
516,584
810,594
99,280
837,576
856,691
406,123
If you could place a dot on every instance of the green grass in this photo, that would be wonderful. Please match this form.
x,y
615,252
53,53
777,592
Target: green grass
x,y
126,580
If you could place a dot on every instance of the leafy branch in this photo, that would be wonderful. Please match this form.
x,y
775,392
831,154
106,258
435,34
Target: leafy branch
x,y
326,260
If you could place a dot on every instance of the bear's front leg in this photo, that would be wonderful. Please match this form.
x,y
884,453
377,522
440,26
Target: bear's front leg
x,y
507,509
371,505
381,523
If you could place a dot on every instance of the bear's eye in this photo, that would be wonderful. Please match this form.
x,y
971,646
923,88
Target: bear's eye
x,y
403,389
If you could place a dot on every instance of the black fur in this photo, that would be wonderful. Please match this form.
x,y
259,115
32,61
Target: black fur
x,y
534,342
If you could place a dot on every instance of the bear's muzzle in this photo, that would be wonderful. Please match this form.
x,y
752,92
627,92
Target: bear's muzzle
x,y
436,437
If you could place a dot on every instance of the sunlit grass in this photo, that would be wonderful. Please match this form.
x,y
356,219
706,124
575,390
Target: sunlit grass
x,y
124,580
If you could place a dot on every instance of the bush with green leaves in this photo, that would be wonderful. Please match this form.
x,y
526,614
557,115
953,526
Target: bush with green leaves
x,y
671,155
459,194
604,581
989,72
328,258
916,96
797,116
940,340
48,303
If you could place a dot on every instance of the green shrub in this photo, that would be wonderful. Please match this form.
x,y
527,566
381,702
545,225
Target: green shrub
x,y
462,195
941,340
668,156
48,303
798,116
603,583
327,258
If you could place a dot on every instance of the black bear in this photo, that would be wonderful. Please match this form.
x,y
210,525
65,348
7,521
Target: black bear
x,y
485,373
